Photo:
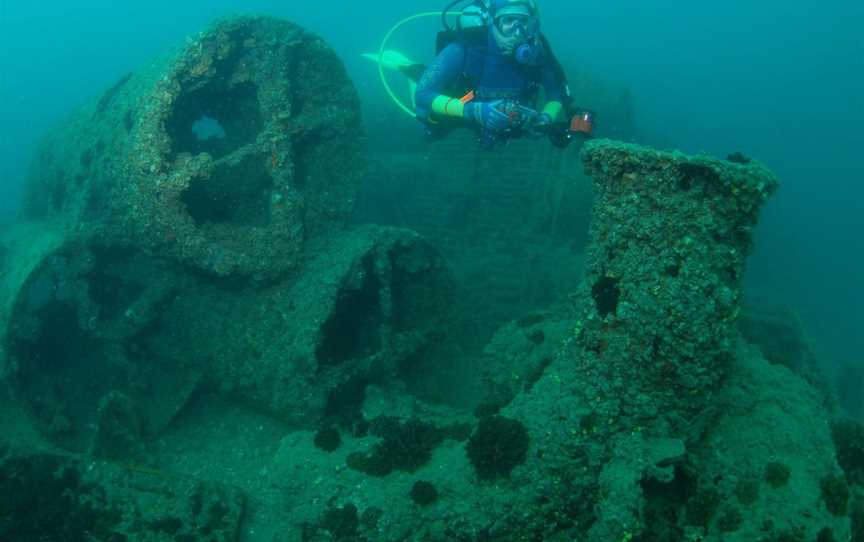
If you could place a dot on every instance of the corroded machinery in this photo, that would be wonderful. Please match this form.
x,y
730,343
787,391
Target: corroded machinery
x,y
187,233
670,234
227,155
83,322
102,339
188,241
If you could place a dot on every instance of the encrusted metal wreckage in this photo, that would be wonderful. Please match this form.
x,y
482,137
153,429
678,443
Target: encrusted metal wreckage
x,y
187,235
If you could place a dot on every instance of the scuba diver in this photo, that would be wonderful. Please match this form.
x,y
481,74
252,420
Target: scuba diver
x,y
489,72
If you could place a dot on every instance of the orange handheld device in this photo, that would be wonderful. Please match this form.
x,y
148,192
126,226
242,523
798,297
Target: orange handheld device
x,y
582,122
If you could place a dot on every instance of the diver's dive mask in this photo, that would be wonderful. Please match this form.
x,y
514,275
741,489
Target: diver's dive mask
x,y
517,34
517,25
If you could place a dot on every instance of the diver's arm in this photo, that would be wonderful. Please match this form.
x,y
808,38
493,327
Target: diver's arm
x,y
554,90
430,97
553,109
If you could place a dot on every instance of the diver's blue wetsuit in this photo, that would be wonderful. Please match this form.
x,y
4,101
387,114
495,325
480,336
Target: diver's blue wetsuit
x,y
484,69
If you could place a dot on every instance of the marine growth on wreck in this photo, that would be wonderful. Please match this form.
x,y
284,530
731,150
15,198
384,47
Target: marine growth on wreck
x,y
201,342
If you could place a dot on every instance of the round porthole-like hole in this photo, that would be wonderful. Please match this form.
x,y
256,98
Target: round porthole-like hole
x,y
217,119
206,128
352,330
238,194
64,371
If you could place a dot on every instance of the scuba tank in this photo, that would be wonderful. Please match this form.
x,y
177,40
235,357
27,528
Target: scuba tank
x,y
474,14
470,24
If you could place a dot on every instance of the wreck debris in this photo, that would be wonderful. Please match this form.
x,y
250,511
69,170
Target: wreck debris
x,y
366,305
106,346
188,241
226,156
52,496
216,167
80,321
119,430
668,438
657,333
661,298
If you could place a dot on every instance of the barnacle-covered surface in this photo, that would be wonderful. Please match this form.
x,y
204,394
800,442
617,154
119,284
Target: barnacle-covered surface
x,y
226,155
660,301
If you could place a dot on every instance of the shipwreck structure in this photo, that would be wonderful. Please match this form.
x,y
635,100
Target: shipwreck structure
x,y
186,233
227,155
661,298
211,351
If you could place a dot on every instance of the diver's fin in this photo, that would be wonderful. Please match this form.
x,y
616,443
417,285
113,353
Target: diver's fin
x,y
412,89
391,59
396,61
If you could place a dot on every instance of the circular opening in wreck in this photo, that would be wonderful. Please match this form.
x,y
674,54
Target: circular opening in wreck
x,y
61,372
223,118
352,331
238,194
79,333
218,118
208,128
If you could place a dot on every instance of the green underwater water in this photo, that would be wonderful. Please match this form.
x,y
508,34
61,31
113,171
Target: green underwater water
x,y
449,344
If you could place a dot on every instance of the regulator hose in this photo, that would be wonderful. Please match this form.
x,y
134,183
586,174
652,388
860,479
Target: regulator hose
x,y
396,27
